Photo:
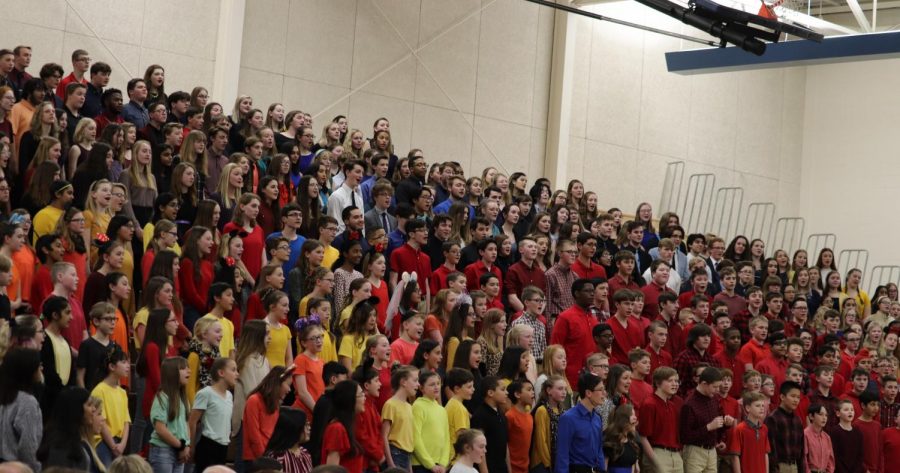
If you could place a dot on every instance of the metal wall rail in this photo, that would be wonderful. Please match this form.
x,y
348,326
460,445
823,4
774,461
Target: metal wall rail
x,y
726,212
788,234
672,186
852,258
880,275
758,221
816,242
699,194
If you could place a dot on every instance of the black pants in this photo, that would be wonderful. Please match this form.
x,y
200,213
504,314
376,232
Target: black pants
x,y
208,453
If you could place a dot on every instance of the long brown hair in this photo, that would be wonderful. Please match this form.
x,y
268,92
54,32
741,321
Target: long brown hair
x,y
617,430
269,387
171,387
253,341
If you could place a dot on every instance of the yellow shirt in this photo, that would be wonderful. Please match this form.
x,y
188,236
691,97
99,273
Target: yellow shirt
x,y
115,408
226,346
331,255
402,428
352,347
62,356
95,225
280,337
45,221
457,417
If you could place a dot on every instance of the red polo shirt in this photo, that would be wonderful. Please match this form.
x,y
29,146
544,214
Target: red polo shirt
x,y
573,330
474,272
752,352
438,279
591,271
663,358
659,420
406,258
625,338
520,275
775,368
651,299
617,283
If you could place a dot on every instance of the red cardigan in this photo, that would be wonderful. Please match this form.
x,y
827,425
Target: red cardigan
x,y
195,291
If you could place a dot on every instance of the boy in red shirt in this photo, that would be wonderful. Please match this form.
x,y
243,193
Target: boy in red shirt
x,y
627,334
860,381
658,334
750,440
728,358
640,390
868,424
890,441
660,416
756,349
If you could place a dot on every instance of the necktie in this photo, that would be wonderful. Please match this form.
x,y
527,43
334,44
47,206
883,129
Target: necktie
x,y
385,223
353,198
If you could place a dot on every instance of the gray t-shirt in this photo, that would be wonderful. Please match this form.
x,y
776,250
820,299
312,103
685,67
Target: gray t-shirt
x,y
216,421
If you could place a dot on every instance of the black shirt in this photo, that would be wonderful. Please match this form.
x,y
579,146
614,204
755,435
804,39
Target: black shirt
x,y
92,358
493,423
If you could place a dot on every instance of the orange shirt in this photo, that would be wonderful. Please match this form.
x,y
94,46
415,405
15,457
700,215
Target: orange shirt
x,y
432,322
311,370
752,352
26,262
520,425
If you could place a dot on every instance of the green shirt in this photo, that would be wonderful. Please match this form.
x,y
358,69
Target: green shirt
x,y
160,412
430,422
216,421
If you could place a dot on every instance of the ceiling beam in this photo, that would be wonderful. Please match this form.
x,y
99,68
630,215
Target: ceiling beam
x,y
859,15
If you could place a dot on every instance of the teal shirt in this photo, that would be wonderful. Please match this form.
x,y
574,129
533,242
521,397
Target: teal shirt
x,y
216,421
160,412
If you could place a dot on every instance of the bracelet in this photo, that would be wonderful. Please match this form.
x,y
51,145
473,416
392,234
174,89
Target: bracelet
x,y
182,447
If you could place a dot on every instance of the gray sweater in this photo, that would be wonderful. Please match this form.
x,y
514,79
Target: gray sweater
x,y
21,430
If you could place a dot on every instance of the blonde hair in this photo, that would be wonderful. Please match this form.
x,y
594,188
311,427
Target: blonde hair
x,y
37,123
140,173
189,155
202,325
492,341
43,151
129,464
89,205
228,194
549,353
236,111
81,130
514,334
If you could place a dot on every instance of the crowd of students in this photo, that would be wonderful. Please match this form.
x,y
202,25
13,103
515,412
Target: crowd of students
x,y
289,302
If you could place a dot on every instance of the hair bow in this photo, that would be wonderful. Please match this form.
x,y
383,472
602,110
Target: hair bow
x,y
304,322
102,238
237,232
229,261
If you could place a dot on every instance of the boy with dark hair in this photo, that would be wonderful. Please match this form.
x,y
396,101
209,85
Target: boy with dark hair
x,y
461,383
846,439
584,267
291,221
696,352
822,394
729,296
786,432
655,287
859,379
117,420
92,354
624,277
221,299
580,433
703,424
754,307
668,314
889,404
487,252
776,363
627,333
640,390
867,423
410,257
440,276
774,304
699,287
728,357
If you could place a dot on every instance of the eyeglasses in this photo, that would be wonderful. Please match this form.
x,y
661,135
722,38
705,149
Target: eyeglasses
x,y
295,215
539,301
119,195
317,338
108,319
288,248
174,234
331,229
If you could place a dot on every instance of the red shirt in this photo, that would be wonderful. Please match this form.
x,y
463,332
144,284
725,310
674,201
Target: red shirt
x,y
872,444
736,365
368,432
617,283
663,358
438,279
194,290
573,330
592,271
659,420
890,441
254,245
74,333
651,299
477,269
406,258
752,446
520,275
775,368
752,352
625,338
639,392
677,340
335,439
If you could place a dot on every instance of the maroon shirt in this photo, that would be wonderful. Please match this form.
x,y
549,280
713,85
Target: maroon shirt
x,y
617,283
651,299
520,275
625,338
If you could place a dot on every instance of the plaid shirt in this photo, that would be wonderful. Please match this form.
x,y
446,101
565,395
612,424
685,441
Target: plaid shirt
x,y
684,364
559,290
785,439
889,413
540,334
698,411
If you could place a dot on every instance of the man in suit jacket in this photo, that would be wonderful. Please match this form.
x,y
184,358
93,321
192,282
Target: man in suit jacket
x,y
378,216
716,255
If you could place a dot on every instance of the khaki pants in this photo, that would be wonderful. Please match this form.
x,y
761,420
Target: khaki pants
x,y
666,462
699,460
785,468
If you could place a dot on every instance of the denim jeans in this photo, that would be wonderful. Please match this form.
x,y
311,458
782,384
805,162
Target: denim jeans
x,y
140,428
400,457
105,454
164,460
